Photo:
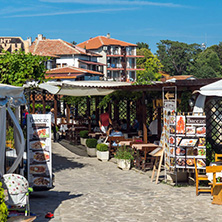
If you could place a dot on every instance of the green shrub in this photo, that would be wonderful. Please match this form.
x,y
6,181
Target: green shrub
x,y
84,133
3,207
124,153
102,147
91,143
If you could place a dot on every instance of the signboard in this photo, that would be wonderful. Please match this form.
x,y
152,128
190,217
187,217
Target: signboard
x,y
169,107
187,141
39,150
11,44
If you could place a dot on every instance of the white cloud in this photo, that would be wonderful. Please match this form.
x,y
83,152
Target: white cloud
x,y
117,2
70,12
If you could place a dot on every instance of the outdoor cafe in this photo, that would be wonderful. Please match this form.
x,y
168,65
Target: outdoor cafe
x,y
186,143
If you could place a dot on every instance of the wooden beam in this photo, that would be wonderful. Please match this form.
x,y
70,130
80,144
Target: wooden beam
x,y
144,118
55,108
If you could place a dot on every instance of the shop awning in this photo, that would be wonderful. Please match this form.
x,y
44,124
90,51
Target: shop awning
x,y
82,88
213,89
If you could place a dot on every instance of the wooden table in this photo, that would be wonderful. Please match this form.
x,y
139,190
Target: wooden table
x,y
146,148
217,186
125,143
74,130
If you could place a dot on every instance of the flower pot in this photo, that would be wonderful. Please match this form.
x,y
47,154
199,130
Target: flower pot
x,y
91,151
103,155
83,141
123,164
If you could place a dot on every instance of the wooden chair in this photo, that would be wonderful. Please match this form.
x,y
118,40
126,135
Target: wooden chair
x,y
200,177
218,157
217,187
111,140
138,155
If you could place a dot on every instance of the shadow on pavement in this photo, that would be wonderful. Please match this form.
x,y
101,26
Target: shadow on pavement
x,y
61,163
43,202
79,150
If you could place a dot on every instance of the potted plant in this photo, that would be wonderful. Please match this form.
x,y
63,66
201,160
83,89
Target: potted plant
x,y
124,157
102,152
91,147
83,136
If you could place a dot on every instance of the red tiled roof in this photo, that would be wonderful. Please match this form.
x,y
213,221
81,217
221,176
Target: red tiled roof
x,y
55,47
97,42
69,72
180,77
91,63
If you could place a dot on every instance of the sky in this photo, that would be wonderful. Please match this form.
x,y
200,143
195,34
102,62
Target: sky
x,y
189,21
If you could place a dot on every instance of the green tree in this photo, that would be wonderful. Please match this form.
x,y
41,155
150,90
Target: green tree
x,y
207,65
177,57
218,50
150,63
151,71
18,67
141,45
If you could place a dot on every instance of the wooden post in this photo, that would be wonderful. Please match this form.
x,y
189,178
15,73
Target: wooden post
x,y
55,108
97,109
116,111
44,101
67,113
33,102
144,118
159,122
128,114
88,113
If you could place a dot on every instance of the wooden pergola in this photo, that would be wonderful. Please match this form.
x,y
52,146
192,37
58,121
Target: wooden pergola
x,y
44,98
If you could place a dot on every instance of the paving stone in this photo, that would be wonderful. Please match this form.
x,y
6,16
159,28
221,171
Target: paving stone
x,y
90,190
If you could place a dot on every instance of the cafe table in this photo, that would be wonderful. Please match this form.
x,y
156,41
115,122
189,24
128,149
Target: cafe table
x,y
125,143
146,148
74,130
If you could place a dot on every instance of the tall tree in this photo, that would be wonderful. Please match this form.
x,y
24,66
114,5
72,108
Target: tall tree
x,y
141,45
18,67
150,63
207,65
177,57
218,50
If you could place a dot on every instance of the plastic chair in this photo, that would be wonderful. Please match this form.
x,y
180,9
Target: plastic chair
x,y
17,191
218,157
200,177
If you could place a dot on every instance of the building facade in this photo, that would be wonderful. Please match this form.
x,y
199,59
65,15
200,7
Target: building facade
x,y
118,56
64,54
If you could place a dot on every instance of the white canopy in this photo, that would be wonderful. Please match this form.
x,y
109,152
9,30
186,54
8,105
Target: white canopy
x,y
82,88
11,96
213,89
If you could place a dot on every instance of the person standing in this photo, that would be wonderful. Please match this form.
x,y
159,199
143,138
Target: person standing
x,y
52,113
24,118
104,121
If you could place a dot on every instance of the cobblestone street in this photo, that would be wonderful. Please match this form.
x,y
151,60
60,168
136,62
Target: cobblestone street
x,y
90,190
